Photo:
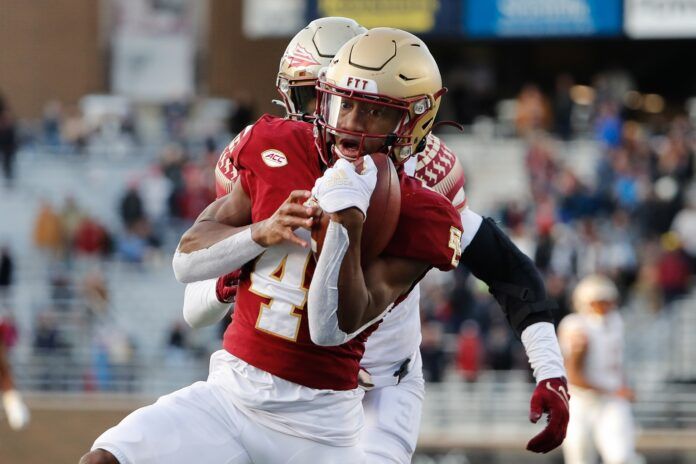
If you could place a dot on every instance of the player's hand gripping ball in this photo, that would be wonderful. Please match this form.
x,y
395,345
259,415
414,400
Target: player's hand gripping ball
x,y
551,397
371,185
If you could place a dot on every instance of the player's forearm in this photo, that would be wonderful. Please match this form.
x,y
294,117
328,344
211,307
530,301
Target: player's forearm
x,y
192,264
201,305
353,295
323,294
512,277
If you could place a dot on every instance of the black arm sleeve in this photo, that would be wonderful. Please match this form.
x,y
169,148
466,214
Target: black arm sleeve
x,y
511,276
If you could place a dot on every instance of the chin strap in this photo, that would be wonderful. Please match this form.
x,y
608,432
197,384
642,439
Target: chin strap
x,y
454,124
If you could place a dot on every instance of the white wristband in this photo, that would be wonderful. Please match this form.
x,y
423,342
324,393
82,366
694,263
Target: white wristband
x,y
219,259
201,306
542,349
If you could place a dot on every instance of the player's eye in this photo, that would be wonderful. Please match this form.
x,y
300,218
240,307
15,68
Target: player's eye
x,y
346,105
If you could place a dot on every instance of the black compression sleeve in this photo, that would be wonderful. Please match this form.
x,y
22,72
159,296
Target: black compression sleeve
x,y
511,276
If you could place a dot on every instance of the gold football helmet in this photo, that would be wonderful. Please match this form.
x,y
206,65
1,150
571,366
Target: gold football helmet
x,y
307,53
383,73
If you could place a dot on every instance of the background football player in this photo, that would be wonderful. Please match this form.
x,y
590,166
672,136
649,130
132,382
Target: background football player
x,y
592,342
394,402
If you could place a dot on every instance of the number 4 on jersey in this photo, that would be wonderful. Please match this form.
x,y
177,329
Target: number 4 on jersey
x,y
279,276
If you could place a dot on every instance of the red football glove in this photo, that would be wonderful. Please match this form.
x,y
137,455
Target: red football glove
x,y
550,396
226,287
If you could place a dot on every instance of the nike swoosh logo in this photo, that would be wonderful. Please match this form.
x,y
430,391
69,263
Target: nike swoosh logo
x,y
561,392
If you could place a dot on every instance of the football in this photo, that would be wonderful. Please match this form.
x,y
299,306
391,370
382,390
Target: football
x,y
382,214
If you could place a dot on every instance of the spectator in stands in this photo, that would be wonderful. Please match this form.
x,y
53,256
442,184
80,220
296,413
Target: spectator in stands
x,y
674,269
48,235
684,225
51,351
6,273
469,351
432,352
70,218
563,107
608,124
91,238
533,112
241,114
155,190
74,130
95,292
8,142
62,290
499,349
131,206
52,122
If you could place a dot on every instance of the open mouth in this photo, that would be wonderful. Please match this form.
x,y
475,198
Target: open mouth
x,y
348,148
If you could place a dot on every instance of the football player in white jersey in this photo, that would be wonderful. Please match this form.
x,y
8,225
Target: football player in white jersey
x,y
392,372
592,344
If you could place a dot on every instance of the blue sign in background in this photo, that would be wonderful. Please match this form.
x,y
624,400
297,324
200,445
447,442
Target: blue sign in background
x,y
539,18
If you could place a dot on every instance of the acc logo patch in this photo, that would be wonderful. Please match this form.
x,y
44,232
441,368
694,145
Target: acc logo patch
x,y
274,158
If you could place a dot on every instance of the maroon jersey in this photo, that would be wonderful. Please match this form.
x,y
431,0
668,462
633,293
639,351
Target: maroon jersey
x,y
269,327
225,172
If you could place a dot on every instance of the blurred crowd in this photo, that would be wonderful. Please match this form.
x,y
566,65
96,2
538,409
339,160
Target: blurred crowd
x,y
633,218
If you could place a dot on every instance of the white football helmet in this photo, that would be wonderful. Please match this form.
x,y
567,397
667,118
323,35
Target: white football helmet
x,y
592,289
307,53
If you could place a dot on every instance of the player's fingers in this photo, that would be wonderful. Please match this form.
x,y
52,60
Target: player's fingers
x,y
536,409
291,237
553,434
294,221
298,196
296,210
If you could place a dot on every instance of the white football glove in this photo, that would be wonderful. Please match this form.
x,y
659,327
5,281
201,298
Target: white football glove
x,y
16,411
341,187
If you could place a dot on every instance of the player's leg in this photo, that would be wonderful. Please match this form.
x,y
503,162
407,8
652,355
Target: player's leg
x,y
578,446
392,419
615,434
189,425
265,445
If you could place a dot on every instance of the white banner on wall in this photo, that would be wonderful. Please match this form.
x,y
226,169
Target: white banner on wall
x,y
273,18
156,69
649,19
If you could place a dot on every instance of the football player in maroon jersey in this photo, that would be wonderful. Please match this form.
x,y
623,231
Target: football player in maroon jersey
x,y
271,371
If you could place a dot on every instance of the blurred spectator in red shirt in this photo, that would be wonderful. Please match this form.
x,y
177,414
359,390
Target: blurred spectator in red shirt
x,y
673,269
469,351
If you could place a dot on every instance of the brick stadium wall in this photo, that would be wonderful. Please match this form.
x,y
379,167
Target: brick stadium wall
x,y
236,65
49,50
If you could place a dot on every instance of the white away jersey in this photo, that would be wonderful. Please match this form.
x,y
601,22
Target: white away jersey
x,y
603,338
